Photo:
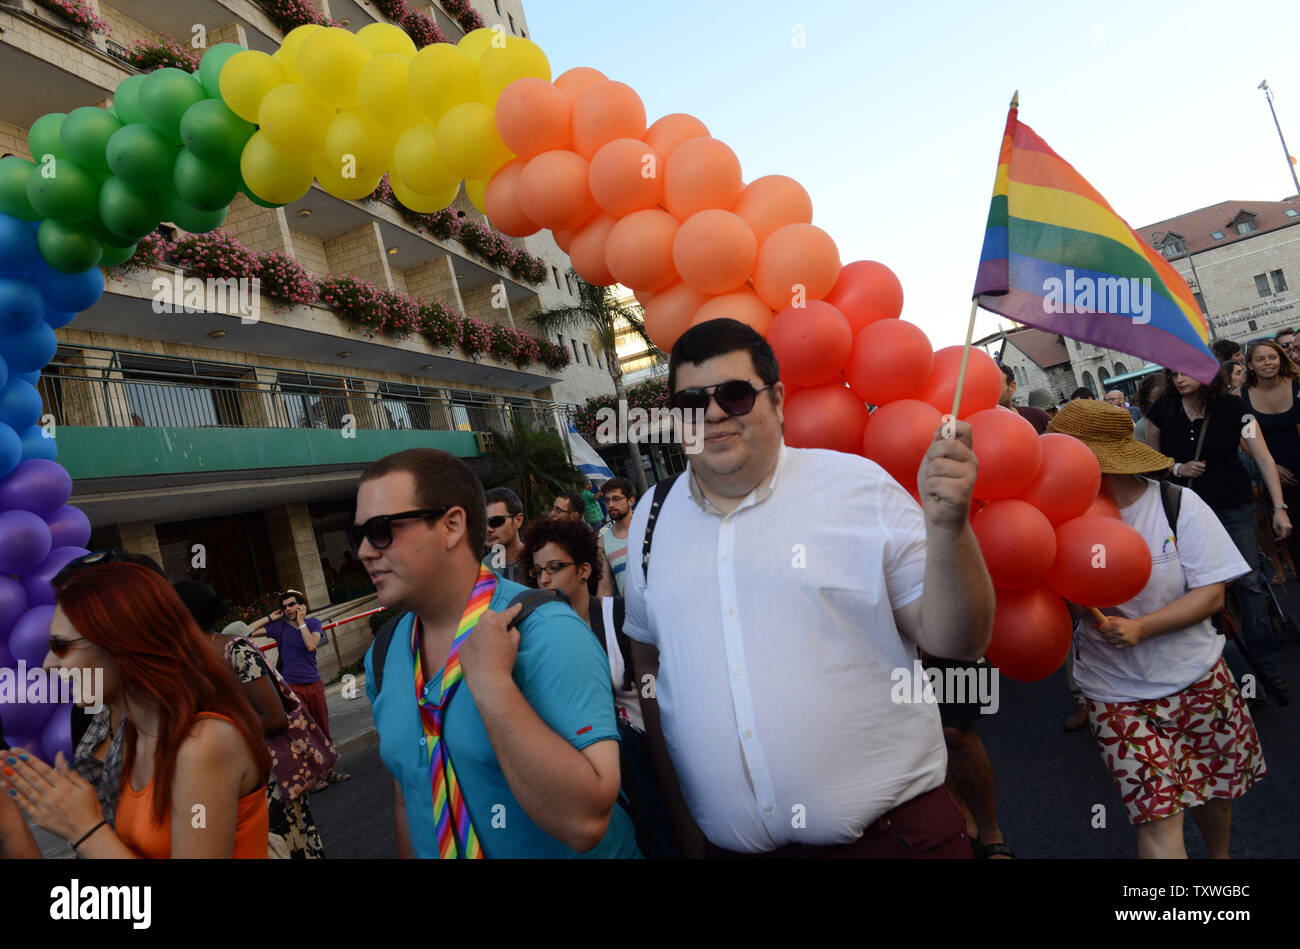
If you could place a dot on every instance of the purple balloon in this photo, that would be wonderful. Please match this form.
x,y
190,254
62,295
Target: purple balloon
x,y
13,604
15,740
24,541
27,719
37,583
56,736
37,485
7,660
69,527
30,638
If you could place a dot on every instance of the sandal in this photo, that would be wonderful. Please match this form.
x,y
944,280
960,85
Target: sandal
x,y
337,777
320,785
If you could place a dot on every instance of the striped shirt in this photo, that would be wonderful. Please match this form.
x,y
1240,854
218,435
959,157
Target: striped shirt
x,y
616,554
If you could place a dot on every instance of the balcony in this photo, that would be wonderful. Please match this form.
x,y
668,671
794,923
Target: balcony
x,y
179,17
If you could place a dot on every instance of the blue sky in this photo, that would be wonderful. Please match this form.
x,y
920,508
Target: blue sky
x,y
891,114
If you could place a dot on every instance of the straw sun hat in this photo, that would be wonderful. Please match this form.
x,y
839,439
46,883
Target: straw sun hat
x,y
1108,430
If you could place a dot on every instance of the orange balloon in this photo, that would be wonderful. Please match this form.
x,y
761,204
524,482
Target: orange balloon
x,y
714,251
671,130
1032,633
501,201
533,117
828,416
1008,450
669,314
797,263
1067,481
587,251
643,296
1102,506
626,176
603,112
553,190
743,306
890,360
983,385
639,250
865,292
771,202
898,436
701,174
811,343
1099,562
1017,541
572,82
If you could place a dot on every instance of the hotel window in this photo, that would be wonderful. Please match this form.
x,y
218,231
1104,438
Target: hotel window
x,y
577,356
568,282
1217,235
1279,281
1292,212
511,18
556,272
587,349
1245,227
1261,284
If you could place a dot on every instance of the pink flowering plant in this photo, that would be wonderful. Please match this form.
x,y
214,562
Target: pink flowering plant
x,y
439,324
79,12
466,17
475,336
552,355
441,225
401,314
150,253
287,15
358,302
422,30
215,254
148,55
285,279
646,395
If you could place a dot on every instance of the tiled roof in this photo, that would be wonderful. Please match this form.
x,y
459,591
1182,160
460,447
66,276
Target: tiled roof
x,y
1044,348
1197,228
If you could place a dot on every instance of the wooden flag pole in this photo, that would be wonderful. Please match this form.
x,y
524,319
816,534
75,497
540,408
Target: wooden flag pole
x,y
965,358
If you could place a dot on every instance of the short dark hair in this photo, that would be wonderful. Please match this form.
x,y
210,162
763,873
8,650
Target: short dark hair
x,y
1288,331
203,602
619,484
1083,392
1225,349
575,538
441,480
576,503
504,496
1007,372
718,338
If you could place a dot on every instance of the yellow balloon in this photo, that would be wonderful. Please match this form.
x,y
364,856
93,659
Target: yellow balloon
x,y
329,177
440,78
287,54
294,120
518,59
330,60
245,80
475,190
272,175
468,142
475,43
382,38
384,94
354,140
424,203
417,163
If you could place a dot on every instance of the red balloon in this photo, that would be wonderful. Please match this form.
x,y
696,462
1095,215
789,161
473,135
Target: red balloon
x,y
1099,562
1102,506
1018,543
811,343
890,359
1032,633
501,201
1067,481
1008,451
828,416
587,251
898,436
983,382
867,291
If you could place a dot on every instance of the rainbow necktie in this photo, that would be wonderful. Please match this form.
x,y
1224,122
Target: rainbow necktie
x,y
456,836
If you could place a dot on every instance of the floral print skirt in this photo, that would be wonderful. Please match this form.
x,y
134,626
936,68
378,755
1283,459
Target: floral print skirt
x,y
293,831
1178,752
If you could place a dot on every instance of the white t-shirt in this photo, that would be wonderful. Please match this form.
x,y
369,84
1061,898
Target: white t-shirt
x,y
1162,665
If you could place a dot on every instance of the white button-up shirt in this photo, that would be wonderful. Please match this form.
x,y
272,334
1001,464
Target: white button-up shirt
x,y
777,649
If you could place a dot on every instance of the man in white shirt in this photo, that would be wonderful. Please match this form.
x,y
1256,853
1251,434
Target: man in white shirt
x,y
784,601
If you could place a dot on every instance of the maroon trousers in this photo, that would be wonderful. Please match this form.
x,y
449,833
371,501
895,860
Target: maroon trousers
x,y
313,697
929,826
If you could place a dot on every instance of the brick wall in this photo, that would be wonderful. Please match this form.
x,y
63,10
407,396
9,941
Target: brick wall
x,y
310,252
360,252
261,230
127,32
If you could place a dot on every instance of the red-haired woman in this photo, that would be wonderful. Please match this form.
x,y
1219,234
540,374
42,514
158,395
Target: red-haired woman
x,y
195,766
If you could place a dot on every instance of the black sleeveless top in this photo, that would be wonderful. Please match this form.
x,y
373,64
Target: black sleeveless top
x,y
1279,429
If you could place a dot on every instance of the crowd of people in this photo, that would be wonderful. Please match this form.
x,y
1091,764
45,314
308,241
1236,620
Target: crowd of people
x,y
706,672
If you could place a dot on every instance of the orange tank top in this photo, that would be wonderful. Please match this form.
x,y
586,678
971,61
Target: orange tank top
x,y
153,841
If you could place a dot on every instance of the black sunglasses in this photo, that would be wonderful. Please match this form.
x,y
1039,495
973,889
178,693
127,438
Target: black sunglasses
x,y
496,520
379,530
552,568
735,397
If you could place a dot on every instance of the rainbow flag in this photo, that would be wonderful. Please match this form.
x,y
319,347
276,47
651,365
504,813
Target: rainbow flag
x,y
1058,257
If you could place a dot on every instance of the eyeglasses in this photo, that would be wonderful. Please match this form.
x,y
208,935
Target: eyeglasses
x,y
735,397
60,647
496,520
552,568
379,530
80,563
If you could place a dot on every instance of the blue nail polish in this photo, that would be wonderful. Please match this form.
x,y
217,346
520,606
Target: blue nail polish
x,y
12,760
13,793
24,757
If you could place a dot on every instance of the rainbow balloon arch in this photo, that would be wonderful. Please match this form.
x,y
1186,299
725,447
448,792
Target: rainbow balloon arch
x,y
661,208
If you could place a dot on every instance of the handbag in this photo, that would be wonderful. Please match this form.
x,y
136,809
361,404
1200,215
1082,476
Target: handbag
x,y
301,754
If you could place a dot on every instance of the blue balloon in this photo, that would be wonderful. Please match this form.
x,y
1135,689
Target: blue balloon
x,y
57,318
30,350
17,245
20,404
11,450
32,444
21,303
31,378
68,293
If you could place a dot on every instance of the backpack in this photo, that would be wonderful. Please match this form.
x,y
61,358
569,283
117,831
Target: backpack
x,y
661,494
1171,496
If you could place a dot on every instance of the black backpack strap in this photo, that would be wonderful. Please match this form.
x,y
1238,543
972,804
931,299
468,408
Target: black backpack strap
x,y
379,654
661,494
530,600
1171,496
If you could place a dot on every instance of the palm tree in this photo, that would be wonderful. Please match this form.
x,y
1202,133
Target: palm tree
x,y
533,463
598,310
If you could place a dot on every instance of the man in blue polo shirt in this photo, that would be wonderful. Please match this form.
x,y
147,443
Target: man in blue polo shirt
x,y
519,724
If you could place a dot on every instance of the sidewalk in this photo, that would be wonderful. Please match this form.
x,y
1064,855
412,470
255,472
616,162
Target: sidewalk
x,y
351,725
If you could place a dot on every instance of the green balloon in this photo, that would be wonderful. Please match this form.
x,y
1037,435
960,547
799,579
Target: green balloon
x,y
116,255
128,212
43,136
141,156
13,188
165,96
85,134
248,192
63,191
212,132
126,100
210,67
203,185
107,237
69,248
192,219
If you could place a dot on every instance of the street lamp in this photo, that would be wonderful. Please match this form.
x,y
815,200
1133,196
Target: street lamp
x,y
1159,238
1290,162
